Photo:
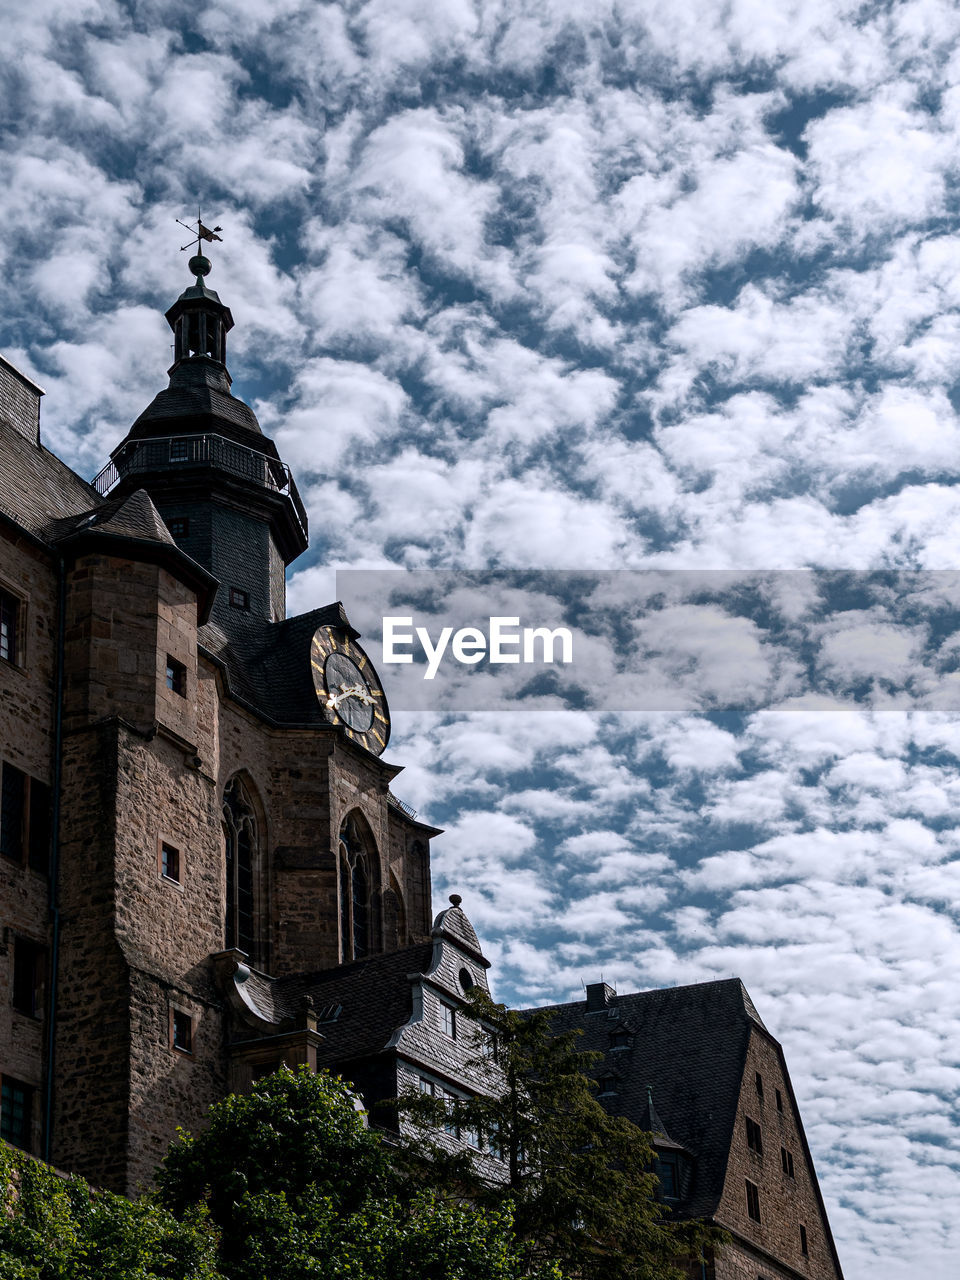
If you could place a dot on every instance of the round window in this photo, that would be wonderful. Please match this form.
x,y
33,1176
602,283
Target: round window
x,y
466,979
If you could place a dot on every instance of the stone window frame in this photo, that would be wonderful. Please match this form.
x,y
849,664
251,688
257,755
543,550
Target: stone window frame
x,y
8,1087
753,1202
13,620
786,1161
357,868
29,973
176,676
165,840
754,1135
178,1012
32,840
243,824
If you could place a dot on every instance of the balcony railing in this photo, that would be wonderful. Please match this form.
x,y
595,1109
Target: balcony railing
x,y
173,453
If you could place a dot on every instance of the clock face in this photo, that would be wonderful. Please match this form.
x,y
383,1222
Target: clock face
x,y
349,688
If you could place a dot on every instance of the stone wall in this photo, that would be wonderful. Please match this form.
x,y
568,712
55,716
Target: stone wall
x,y
785,1202
26,743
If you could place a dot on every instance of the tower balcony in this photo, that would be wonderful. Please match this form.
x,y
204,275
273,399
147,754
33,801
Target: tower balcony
x,y
170,455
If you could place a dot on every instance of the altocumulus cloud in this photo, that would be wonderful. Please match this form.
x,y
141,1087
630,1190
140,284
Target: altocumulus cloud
x,y
529,283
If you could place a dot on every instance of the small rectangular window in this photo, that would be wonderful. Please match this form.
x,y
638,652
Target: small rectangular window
x,y
169,862
29,967
427,1087
803,1240
182,1031
13,792
753,1200
779,1099
786,1159
759,1086
179,450
176,676
179,526
16,1113
448,1020
239,599
9,622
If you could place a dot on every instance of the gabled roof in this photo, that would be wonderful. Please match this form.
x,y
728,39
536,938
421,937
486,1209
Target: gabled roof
x,y
36,487
132,517
689,1046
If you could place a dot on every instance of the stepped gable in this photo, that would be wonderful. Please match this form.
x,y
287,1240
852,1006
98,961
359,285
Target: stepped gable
x,y
688,1045
36,487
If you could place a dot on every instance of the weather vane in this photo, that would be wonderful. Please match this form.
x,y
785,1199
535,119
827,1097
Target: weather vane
x,y
202,233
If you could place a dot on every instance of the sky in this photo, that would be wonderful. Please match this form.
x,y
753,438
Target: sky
x,y
545,286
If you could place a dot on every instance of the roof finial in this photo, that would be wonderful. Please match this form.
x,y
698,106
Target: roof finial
x,y
455,899
198,264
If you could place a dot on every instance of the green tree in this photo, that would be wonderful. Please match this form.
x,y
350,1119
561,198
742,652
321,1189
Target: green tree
x,y
53,1228
299,1186
580,1181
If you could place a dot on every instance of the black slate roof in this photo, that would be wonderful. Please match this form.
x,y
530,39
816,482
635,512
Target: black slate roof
x,y
198,399
374,996
688,1044
269,666
36,487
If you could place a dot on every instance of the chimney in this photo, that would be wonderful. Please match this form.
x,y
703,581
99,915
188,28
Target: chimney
x,y
599,995
19,402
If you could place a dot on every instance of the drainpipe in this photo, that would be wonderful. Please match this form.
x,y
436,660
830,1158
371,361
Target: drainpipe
x,y
54,877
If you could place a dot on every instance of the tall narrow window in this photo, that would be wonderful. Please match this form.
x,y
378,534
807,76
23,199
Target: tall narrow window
x,y
803,1241
9,617
753,1200
16,1112
29,966
240,838
355,916
13,790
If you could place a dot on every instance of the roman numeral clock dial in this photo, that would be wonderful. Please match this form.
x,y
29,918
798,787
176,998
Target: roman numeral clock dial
x,y
349,688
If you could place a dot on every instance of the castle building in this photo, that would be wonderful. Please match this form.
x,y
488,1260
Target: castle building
x,y
696,1068
204,872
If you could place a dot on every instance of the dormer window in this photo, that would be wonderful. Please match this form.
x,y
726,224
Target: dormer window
x,y
620,1039
606,1084
667,1169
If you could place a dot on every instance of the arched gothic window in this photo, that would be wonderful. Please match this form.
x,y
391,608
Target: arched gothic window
x,y
354,891
241,841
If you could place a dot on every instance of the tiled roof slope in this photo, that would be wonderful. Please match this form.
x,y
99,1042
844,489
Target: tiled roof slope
x,y
269,667
689,1045
131,517
374,995
36,487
